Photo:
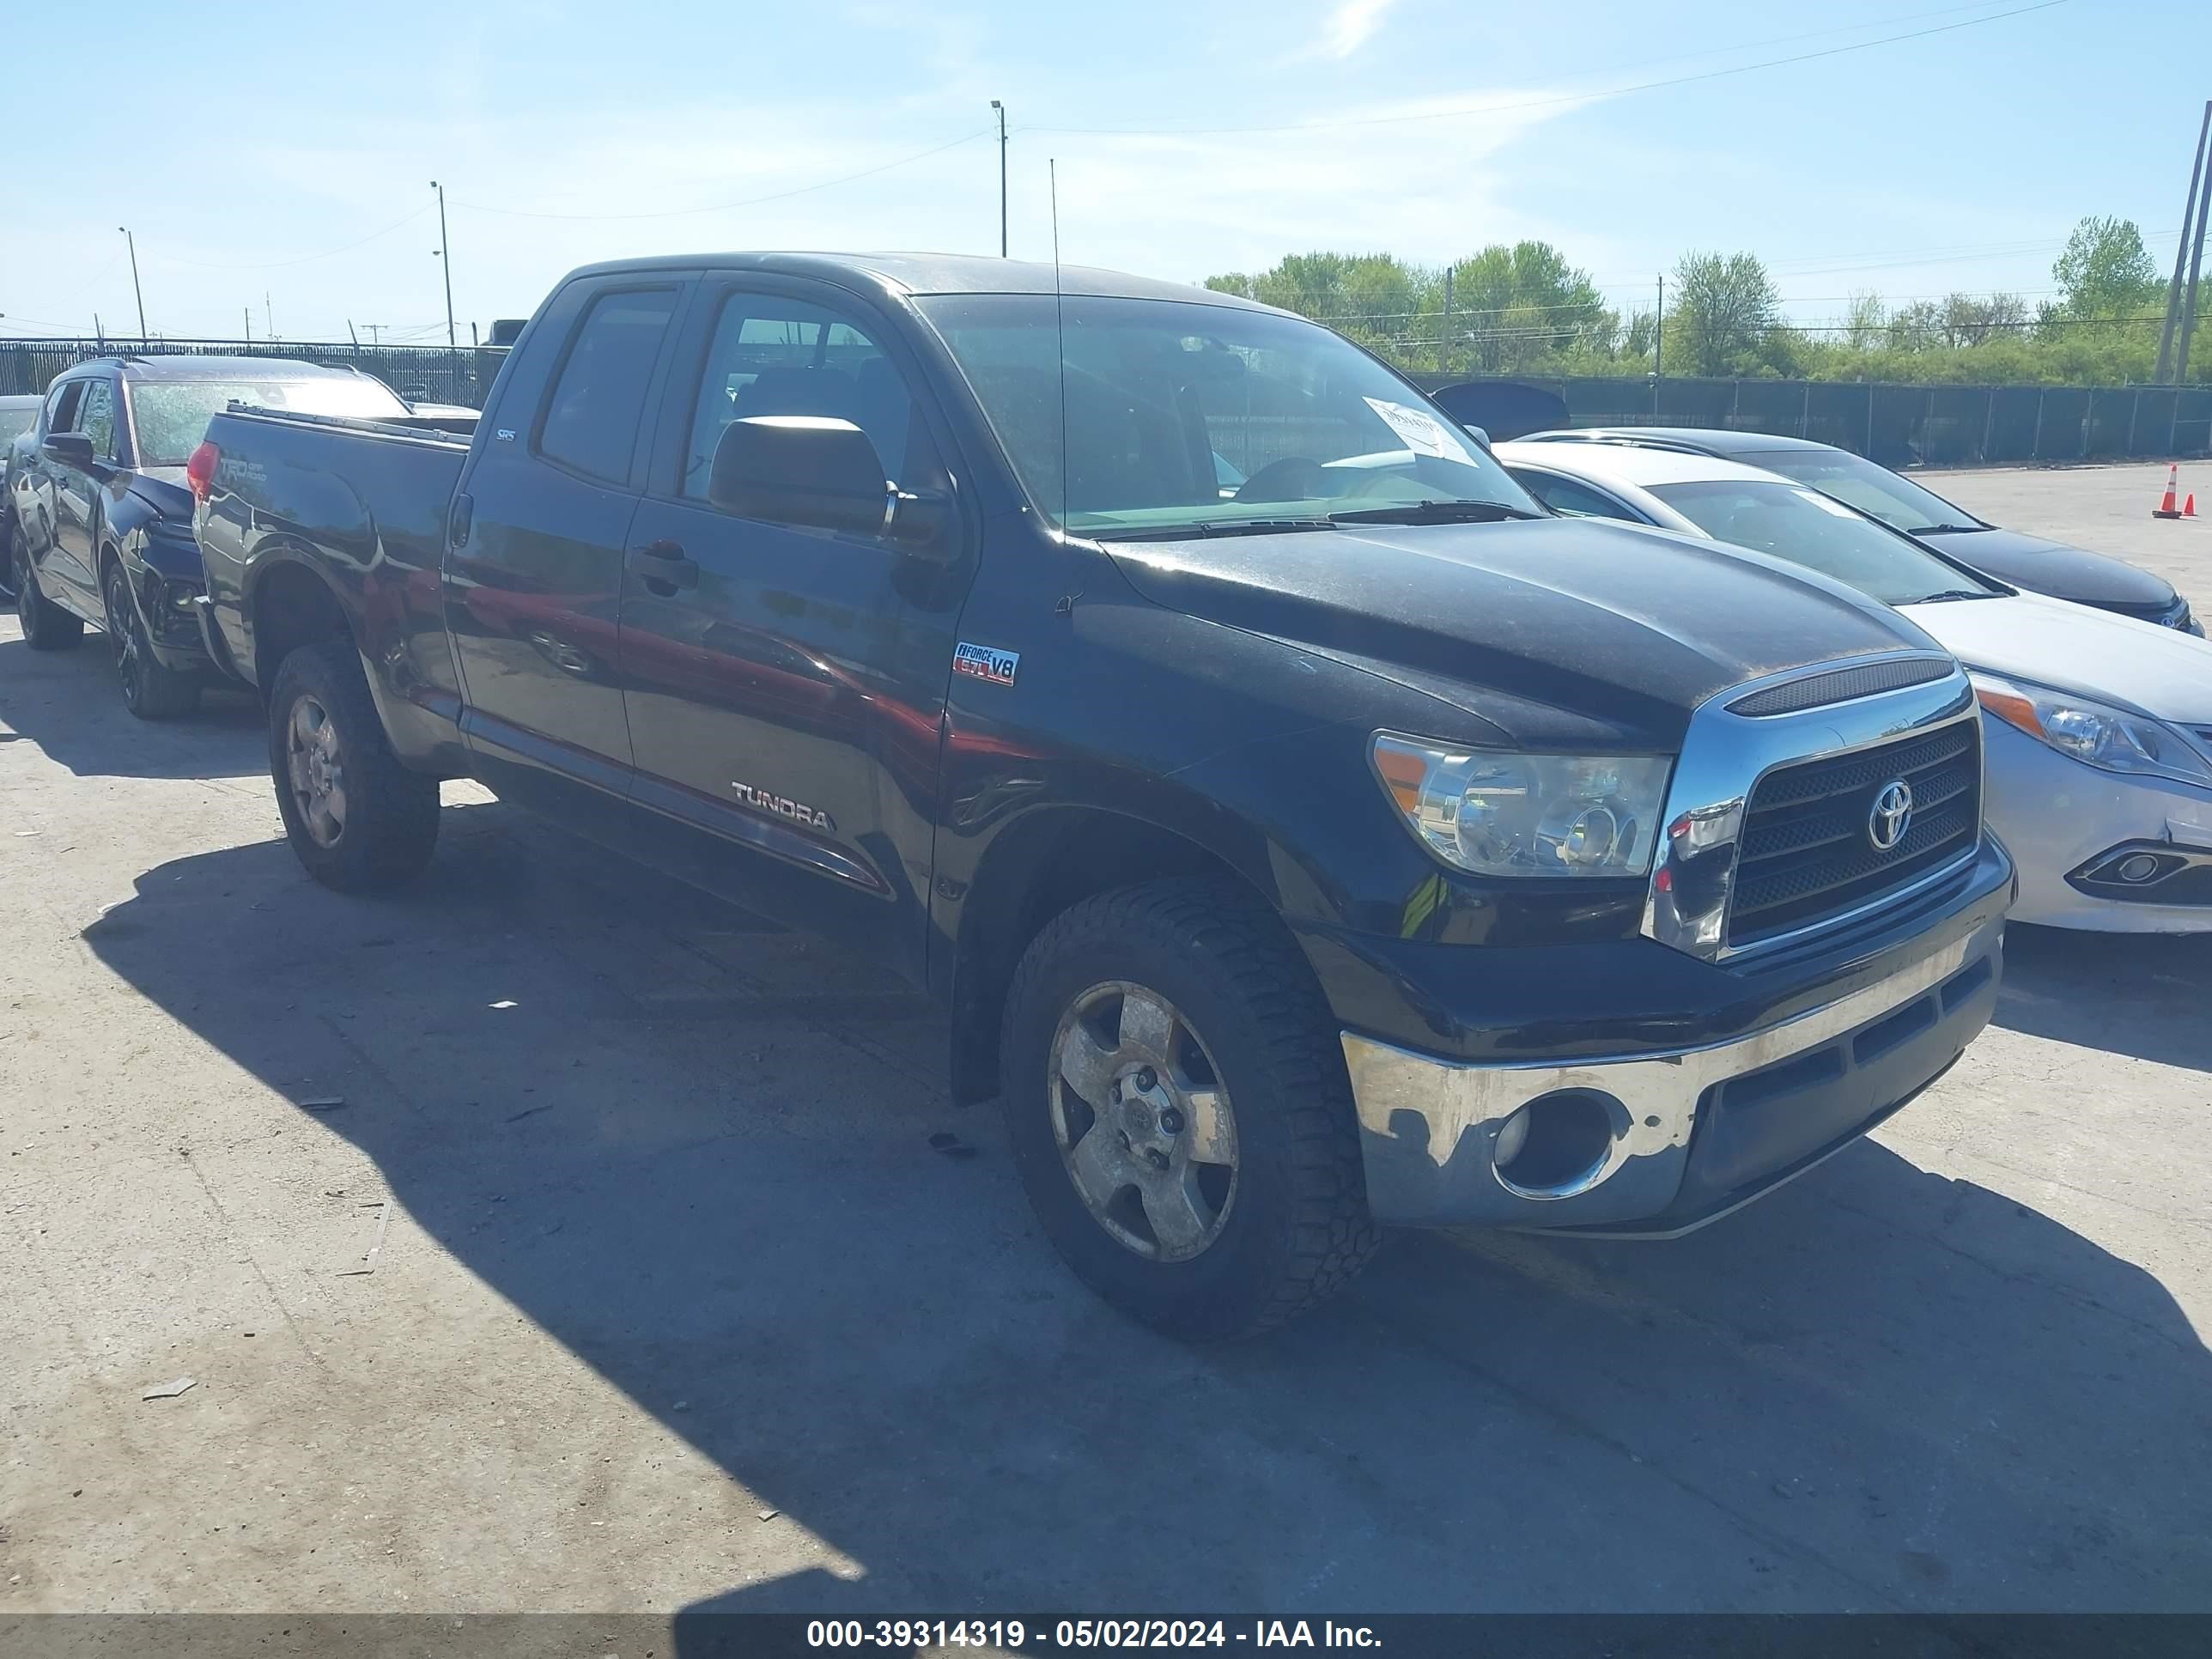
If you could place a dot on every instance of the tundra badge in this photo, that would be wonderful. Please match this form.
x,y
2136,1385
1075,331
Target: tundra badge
x,y
984,662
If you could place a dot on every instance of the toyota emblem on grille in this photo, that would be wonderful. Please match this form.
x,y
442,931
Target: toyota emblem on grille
x,y
1890,817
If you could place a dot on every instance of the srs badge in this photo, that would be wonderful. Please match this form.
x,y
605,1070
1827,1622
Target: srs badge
x,y
983,662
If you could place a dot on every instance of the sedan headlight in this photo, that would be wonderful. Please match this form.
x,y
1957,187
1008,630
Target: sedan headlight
x,y
1527,815
2092,732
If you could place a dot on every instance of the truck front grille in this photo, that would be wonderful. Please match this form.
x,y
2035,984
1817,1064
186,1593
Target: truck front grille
x,y
1809,853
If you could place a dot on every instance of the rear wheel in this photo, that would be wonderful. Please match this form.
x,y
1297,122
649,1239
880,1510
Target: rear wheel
x,y
150,691
357,818
1180,1112
46,626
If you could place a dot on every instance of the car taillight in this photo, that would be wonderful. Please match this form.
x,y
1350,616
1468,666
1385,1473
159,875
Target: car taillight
x,y
199,470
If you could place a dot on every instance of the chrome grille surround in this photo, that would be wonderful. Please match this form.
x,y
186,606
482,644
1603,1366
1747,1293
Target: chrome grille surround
x,y
1725,754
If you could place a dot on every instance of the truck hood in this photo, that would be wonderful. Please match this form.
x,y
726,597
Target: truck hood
x,y
2162,671
1626,629
2048,567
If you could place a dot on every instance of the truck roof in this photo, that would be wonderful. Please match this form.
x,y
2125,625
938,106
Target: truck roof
x,y
904,274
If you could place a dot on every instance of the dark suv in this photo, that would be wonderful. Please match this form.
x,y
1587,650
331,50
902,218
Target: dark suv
x,y
1903,503
99,518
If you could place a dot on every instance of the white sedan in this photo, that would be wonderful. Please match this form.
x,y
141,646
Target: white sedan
x,y
2098,728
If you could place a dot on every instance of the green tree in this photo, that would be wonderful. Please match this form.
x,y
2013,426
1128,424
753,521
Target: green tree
x,y
2106,270
1725,313
1512,307
1372,297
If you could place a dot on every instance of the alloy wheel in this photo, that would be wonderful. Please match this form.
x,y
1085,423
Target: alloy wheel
x,y
1143,1124
315,763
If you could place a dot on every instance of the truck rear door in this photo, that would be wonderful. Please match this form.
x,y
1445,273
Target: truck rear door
x,y
786,685
533,573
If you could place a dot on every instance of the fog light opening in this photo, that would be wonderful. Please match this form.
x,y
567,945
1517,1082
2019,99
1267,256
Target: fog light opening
x,y
1557,1144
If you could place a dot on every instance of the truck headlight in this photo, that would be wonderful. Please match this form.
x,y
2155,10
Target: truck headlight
x,y
2092,732
1500,814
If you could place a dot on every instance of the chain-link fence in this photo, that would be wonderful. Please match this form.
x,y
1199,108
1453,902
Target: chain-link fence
x,y
1910,425
436,375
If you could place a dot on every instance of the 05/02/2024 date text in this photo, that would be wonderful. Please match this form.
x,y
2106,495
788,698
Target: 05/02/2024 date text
x,y
1006,1634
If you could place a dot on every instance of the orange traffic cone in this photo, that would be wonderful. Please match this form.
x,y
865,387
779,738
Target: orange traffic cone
x,y
2165,508
2189,506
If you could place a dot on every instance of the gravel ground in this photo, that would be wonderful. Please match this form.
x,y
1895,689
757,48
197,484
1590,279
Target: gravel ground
x,y
551,1239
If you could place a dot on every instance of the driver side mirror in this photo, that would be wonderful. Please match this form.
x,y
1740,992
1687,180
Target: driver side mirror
x,y
70,449
1481,434
823,473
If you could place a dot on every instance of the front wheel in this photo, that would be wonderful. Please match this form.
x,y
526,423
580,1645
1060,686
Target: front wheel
x,y
357,818
150,691
46,626
1179,1110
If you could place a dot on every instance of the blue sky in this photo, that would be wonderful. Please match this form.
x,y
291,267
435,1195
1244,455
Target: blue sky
x,y
278,134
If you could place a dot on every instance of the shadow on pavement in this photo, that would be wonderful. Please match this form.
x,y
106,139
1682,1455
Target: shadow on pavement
x,y
1880,1388
69,704
2141,994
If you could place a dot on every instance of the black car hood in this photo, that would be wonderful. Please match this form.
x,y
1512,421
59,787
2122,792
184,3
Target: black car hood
x,y
164,488
2053,567
1622,630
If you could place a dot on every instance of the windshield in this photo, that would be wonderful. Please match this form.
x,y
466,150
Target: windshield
x,y
1897,502
170,418
1807,529
1182,416
14,422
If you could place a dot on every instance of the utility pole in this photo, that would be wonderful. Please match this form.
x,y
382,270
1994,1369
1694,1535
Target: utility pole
x,y
1659,332
2181,253
248,310
140,294
446,258
2189,296
268,315
1001,108
1447,358
375,333
350,335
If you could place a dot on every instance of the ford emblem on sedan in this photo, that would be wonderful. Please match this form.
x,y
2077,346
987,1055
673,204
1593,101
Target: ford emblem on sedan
x,y
1891,815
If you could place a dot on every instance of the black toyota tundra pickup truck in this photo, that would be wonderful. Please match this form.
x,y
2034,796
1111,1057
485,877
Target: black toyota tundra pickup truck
x,y
1305,831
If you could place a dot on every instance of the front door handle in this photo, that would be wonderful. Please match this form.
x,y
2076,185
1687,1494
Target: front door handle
x,y
664,567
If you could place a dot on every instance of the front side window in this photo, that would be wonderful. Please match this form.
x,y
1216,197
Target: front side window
x,y
772,356
597,402
1167,401
1805,528
170,418
1897,502
96,419
61,407
1576,500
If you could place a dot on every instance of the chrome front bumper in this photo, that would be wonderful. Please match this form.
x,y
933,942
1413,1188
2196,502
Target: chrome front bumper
x,y
1697,1131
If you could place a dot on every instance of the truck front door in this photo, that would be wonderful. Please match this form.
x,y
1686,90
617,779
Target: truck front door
x,y
786,686
533,575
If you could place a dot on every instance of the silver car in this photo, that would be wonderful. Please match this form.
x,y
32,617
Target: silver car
x,y
2097,727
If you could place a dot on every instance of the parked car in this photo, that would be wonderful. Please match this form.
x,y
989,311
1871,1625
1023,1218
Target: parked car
x,y
101,521
2098,729
18,416
2011,556
1356,844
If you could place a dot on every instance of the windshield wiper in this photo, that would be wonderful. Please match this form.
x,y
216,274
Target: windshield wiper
x,y
1955,593
1942,529
1176,533
1434,512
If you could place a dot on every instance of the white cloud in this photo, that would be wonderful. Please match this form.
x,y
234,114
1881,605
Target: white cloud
x,y
1351,24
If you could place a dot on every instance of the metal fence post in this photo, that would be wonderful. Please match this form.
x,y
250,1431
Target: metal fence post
x,y
1868,451
2035,444
1805,413
1989,421
2134,408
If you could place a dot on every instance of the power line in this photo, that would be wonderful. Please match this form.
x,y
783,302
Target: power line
x,y
750,201
1551,103
305,259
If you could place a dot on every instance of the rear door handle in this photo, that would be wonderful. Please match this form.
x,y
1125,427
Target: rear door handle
x,y
664,567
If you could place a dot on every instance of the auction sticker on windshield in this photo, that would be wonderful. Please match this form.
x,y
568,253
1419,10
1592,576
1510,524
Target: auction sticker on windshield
x,y
1421,431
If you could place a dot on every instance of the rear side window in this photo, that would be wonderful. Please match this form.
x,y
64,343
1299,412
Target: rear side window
x,y
598,401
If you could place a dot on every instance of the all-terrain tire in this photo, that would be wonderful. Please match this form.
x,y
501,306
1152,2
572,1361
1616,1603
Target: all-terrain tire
x,y
1297,1229
389,823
